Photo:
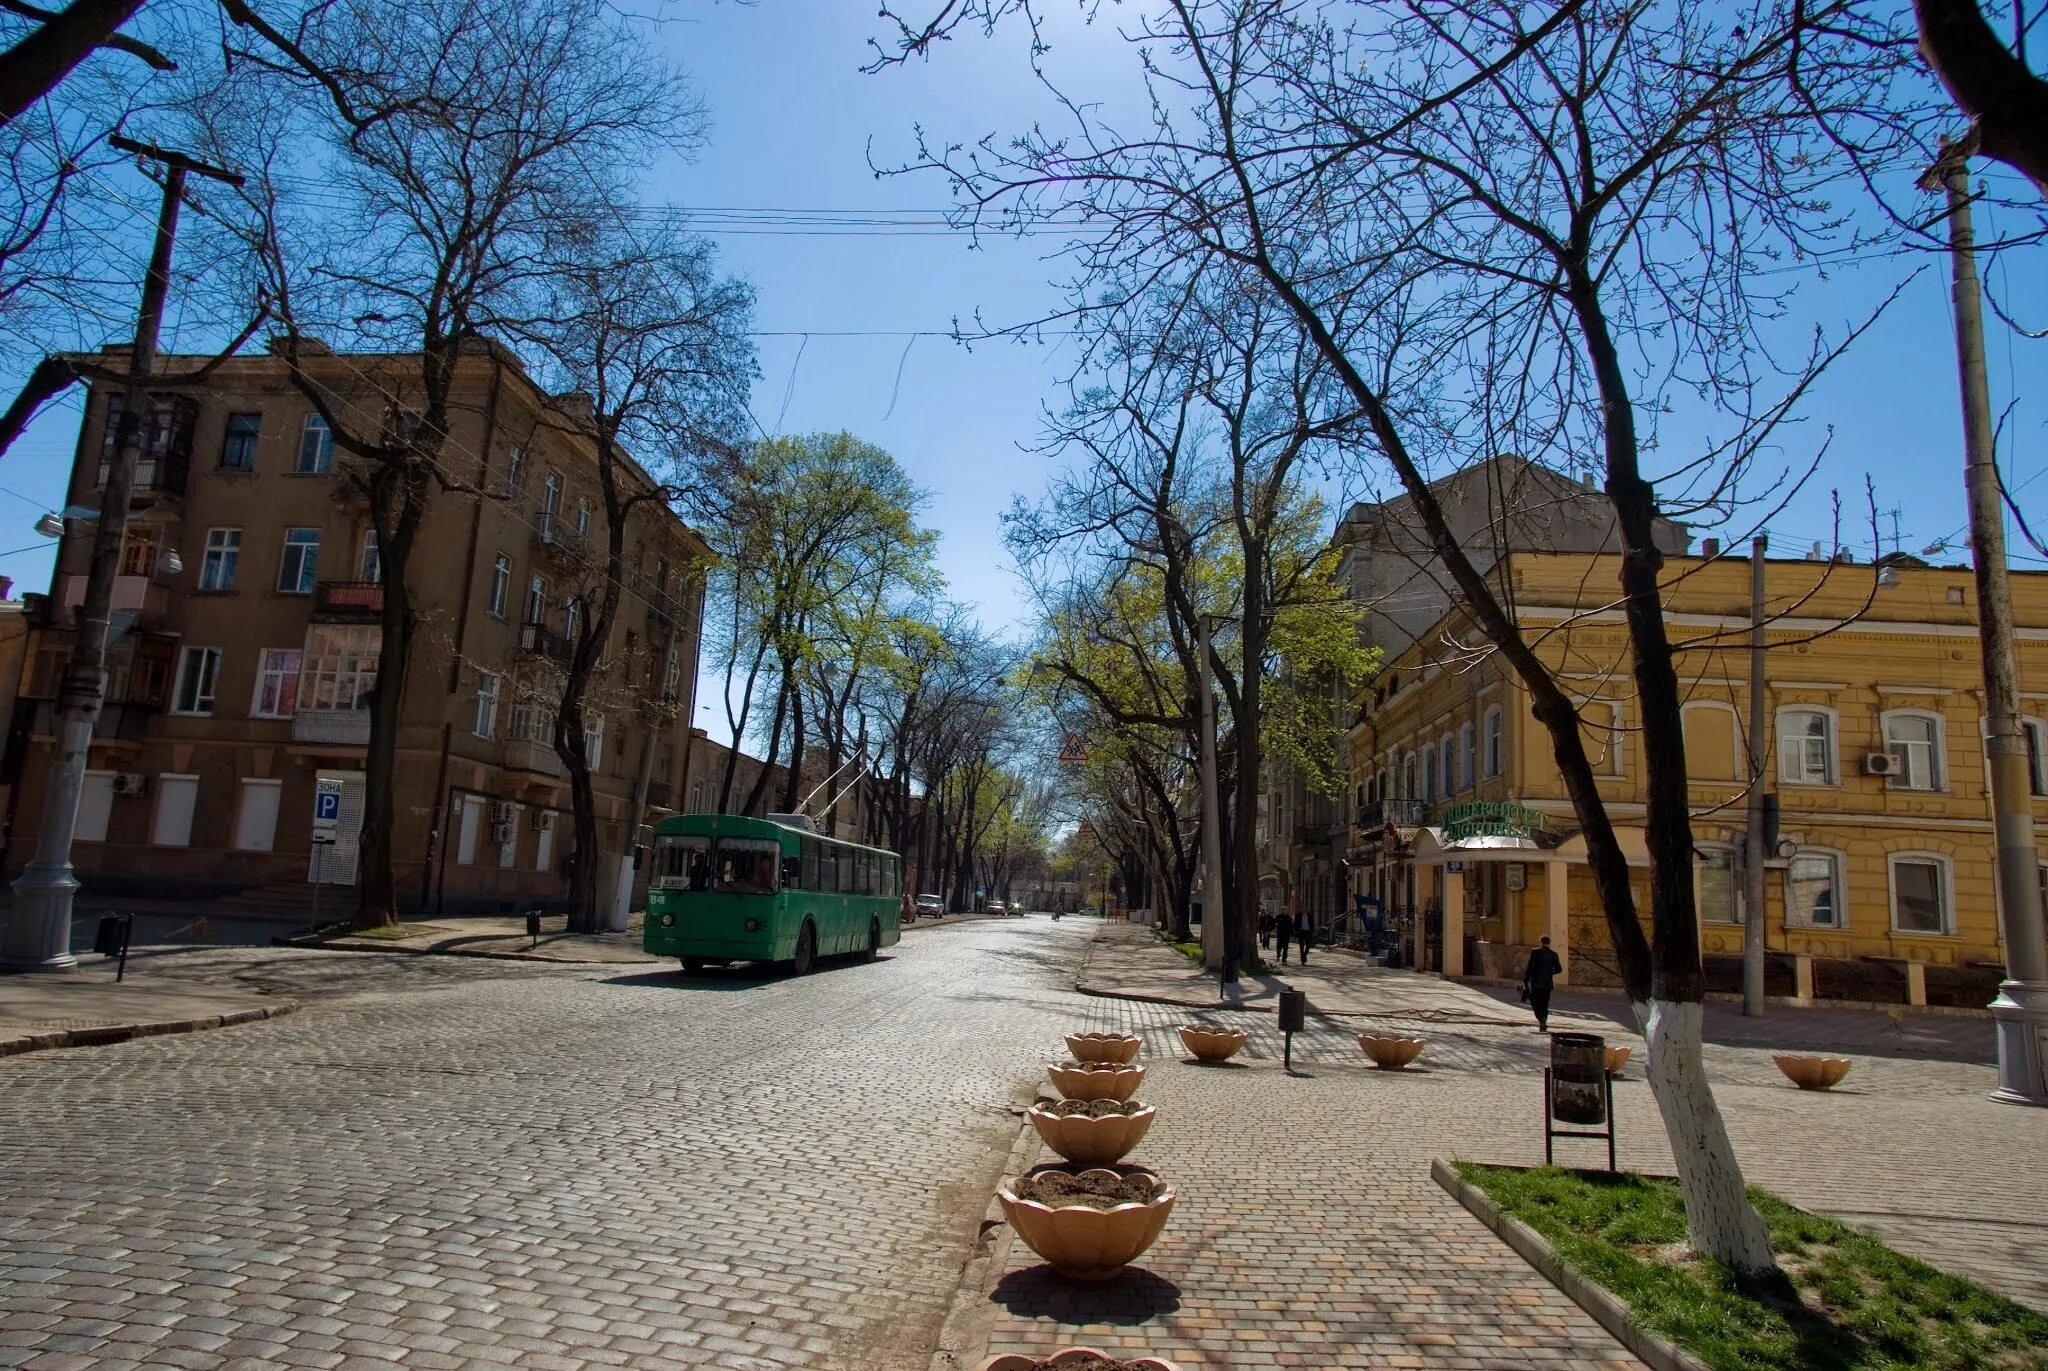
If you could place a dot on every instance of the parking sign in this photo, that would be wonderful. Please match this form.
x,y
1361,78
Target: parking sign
x,y
326,807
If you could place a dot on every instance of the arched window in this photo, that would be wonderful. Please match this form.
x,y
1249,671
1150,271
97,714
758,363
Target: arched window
x,y
1428,773
1447,764
1490,727
1922,893
1806,745
1468,769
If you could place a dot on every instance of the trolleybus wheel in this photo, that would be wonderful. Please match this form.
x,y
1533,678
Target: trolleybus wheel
x,y
806,951
692,965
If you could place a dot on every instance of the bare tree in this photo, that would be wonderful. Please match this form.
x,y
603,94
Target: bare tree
x,y
1993,81
1504,236
651,351
463,145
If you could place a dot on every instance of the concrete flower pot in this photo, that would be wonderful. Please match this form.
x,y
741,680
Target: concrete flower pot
x,y
1212,1044
1617,1058
1068,1356
1390,1053
1087,1244
1812,1073
1087,1141
1095,1080
1103,1047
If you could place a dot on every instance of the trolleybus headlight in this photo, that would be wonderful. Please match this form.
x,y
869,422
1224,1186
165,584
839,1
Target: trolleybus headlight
x,y
668,921
753,925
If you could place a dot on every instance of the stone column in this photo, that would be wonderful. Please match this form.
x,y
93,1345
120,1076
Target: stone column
x,y
1555,922
1454,923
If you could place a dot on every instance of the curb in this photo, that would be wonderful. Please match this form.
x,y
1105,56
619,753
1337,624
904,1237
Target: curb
x,y
99,1035
963,1333
467,952
1653,1351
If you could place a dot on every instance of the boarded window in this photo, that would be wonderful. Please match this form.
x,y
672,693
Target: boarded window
x,y
1710,743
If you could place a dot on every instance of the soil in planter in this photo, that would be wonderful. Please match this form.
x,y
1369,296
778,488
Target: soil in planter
x,y
1098,1066
1085,1364
1068,1189
1098,1109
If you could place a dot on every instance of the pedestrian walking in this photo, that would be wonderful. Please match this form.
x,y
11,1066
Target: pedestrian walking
x,y
1265,928
1283,934
1305,932
1544,968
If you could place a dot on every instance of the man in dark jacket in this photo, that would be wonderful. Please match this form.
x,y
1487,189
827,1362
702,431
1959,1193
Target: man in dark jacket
x,y
1305,932
1543,969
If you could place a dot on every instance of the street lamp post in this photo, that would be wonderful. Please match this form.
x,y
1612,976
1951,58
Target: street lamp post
x,y
38,934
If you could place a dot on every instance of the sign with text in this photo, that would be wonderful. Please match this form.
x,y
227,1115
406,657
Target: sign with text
x,y
326,808
1492,819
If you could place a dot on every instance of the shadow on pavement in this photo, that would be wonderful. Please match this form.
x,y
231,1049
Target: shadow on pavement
x,y
744,976
1132,1296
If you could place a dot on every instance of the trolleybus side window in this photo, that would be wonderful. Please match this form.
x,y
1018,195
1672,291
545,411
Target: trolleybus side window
x,y
682,861
748,866
810,876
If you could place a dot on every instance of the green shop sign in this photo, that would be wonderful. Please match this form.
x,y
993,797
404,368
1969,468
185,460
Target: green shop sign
x,y
1491,819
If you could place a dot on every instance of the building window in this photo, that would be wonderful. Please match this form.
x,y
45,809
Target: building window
x,y
1468,761
316,448
515,460
1806,747
1813,891
1920,893
1916,738
536,600
277,684
550,503
373,560
486,723
1408,777
198,669
300,565
501,583
672,672
2036,734
223,551
572,619
593,741
583,515
139,551
1719,901
1447,764
1428,772
1490,726
238,449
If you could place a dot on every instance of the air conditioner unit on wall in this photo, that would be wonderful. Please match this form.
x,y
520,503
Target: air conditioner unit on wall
x,y
501,831
130,783
501,812
544,820
1883,763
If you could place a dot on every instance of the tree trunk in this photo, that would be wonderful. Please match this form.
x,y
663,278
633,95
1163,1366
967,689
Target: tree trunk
x,y
1718,1215
400,490
32,67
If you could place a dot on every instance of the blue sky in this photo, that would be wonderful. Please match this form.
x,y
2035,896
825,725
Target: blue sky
x,y
794,123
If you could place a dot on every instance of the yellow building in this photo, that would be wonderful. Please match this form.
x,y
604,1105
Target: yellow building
x,y
1880,886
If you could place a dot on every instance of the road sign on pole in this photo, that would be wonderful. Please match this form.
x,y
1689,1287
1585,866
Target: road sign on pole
x,y
326,807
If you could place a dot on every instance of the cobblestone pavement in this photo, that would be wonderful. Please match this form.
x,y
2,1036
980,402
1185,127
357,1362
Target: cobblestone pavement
x,y
1305,1205
456,1163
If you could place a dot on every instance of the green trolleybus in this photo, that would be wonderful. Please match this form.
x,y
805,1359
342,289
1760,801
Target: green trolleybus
x,y
725,888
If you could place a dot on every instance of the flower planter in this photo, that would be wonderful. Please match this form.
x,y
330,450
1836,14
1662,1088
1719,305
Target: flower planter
x,y
1388,1053
1095,1080
1103,1047
1812,1073
1087,1140
1084,1243
1070,1356
1617,1058
1212,1044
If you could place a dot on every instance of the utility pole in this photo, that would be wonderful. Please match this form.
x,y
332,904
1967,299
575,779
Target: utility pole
x,y
38,936
2021,1009
1753,842
1213,913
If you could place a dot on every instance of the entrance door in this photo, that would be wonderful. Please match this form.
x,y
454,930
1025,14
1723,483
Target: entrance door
x,y
336,864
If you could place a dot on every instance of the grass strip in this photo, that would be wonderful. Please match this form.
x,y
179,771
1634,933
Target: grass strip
x,y
1843,1302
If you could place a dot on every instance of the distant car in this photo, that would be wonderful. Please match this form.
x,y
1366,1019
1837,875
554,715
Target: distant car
x,y
930,905
993,907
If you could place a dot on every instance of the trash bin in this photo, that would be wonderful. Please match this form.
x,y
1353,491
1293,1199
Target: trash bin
x,y
1578,1078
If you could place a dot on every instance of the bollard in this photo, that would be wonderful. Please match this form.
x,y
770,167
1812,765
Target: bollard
x,y
532,929
1293,1019
110,939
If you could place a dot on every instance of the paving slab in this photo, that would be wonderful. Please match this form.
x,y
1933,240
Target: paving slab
x,y
88,1006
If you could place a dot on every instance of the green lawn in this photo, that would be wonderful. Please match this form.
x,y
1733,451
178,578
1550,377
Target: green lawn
x,y
1846,1300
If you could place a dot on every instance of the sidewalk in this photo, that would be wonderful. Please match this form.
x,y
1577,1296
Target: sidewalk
x,y
499,936
87,1007
1129,962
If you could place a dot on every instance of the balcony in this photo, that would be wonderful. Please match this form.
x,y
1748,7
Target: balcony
x,y
348,601
560,541
538,640
532,754
1373,819
659,794
332,727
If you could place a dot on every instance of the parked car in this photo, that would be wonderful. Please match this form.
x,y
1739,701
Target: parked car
x,y
930,905
994,907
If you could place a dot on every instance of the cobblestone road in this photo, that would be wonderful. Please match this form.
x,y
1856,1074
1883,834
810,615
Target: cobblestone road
x,y
471,1164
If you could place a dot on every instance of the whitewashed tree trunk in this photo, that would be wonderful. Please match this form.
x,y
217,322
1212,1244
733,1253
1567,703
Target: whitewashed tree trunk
x,y
1723,1223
